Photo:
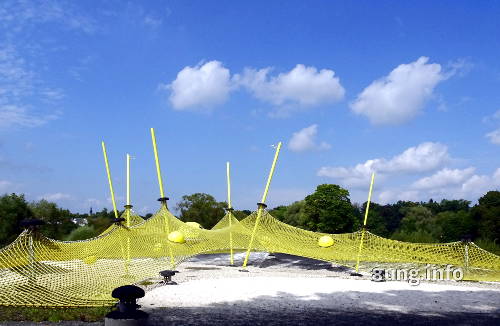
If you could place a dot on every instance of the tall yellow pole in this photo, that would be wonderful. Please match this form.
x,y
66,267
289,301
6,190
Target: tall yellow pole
x,y
231,260
128,207
162,194
128,190
109,179
364,222
158,170
261,207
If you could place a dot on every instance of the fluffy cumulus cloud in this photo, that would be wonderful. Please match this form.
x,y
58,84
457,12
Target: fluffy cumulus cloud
x,y
389,196
401,95
200,87
302,86
207,85
424,157
444,184
444,178
305,140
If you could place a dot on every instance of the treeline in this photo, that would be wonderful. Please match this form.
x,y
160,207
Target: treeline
x,y
328,210
60,224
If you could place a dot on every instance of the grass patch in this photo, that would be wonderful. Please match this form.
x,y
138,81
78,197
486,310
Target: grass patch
x,y
37,314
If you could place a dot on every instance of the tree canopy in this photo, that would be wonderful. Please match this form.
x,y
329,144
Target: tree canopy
x,y
13,209
329,210
201,208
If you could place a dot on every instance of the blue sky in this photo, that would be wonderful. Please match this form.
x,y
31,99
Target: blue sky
x,y
407,90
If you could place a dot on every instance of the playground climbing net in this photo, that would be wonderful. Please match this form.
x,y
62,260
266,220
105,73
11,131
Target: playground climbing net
x,y
38,271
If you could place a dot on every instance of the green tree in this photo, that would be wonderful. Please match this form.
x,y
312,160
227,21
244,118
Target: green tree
x,y
58,222
417,218
13,209
329,210
295,214
454,225
82,233
279,212
398,212
454,205
376,223
486,215
201,208
241,214
418,225
101,220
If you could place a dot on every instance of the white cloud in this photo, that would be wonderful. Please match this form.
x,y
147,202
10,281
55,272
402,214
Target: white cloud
x,y
400,96
445,184
22,15
200,87
207,85
475,183
302,86
424,157
496,176
443,178
390,196
12,115
305,139
494,136
55,196
22,87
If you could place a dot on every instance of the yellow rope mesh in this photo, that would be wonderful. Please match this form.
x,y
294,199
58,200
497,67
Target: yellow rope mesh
x,y
133,220
38,271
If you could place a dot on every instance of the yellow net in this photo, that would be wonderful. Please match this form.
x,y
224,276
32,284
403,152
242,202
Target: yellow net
x,y
38,271
131,220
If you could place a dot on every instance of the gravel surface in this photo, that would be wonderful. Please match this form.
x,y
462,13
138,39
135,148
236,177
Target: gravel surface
x,y
287,290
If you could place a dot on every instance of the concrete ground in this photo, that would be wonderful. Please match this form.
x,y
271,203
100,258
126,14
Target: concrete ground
x,y
289,290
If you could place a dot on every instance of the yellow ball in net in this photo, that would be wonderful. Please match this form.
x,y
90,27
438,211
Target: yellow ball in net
x,y
176,237
325,241
195,225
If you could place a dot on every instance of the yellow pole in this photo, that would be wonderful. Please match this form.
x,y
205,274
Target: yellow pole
x,y
128,190
364,222
259,211
109,179
162,194
158,171
128,213
231,260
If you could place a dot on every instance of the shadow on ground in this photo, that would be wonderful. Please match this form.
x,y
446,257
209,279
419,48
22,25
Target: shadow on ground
x,y
286,260
265,260
343,308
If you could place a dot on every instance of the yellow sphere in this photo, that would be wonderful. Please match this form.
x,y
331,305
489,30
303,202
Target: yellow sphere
x,y
325,241
195,225
176,237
